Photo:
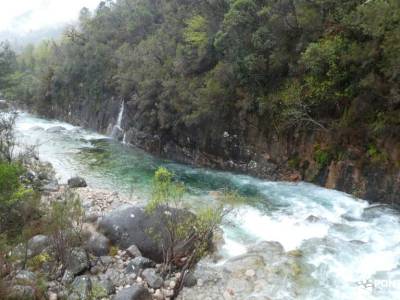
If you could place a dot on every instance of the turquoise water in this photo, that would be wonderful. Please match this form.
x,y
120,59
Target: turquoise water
x,y
276,211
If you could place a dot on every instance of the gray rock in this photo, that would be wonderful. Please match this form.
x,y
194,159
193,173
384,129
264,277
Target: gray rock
x,y
133,226
56,129
50,186
37,244
98,244
36,128
81,287
190,280
103,283
4,105
25,277
22,292
30,175
77,261
133,293
150,276
106,260
133,251
139,263
67,278
77,182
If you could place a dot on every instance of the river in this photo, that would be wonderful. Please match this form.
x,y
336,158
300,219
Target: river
x,y
347,244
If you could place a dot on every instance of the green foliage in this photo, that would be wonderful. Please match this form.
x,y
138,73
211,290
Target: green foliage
x,y
376,155
64,222
113,251
196,68
193,230
322,156
36,262
195,33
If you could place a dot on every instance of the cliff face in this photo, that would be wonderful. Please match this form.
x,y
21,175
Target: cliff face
x,y
295,155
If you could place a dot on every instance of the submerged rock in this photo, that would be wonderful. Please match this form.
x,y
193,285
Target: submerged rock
x,y
56,129
77,182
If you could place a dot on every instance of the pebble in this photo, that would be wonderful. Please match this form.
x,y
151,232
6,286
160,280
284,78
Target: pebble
x,y
172,284
52,296
158,295
200,282
139,279
250,273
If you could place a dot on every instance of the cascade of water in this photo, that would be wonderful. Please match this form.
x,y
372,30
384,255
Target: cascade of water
x,y
120,114
117,131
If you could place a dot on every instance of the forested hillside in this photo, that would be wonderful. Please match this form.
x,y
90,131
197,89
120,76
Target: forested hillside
x,y
284,89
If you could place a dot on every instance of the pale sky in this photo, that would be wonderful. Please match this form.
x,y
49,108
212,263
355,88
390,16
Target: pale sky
x,y
25,15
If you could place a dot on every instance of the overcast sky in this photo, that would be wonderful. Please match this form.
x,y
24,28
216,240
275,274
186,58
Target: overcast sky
x,y
25,15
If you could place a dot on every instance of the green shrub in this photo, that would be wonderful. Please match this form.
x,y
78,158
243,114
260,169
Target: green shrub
x,y
64,223
322,156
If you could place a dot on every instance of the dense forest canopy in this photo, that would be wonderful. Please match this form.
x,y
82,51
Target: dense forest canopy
x,y
330,65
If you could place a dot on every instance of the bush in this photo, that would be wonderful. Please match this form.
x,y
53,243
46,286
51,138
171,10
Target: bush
x,y
64,225
194,232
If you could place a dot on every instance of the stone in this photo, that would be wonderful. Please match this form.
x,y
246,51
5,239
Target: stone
x,y
250,273
67,278
50,186
56,129
133,293
98,244
152,278
4,105
106,260
190,280
77,182
312,219
102,286
81,287
22,292
158,295
37,244
130,225
25,277
77,261
133,251
52,296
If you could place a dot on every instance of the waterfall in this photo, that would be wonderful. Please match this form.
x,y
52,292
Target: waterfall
x,y
120,114
117,131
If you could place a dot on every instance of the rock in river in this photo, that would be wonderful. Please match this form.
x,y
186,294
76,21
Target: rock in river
x,y
130,225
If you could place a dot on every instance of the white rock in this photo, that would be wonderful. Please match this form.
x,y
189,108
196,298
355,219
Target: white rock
x,y
172,284
250,273
52,296
158,295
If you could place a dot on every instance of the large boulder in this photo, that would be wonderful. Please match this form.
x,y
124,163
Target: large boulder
x,y
38,244
98,244
132,225
77,261
133,293
77,182
81,288
4,105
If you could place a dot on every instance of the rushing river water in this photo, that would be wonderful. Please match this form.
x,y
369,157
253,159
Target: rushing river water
x,y
347,244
